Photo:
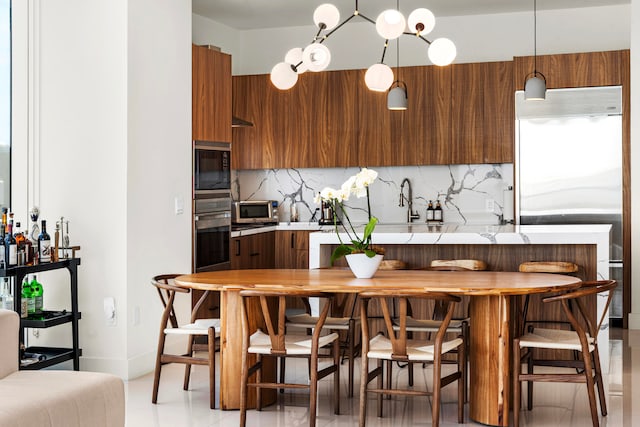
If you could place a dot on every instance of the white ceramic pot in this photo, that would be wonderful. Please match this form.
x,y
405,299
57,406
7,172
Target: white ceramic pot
x,y
362,266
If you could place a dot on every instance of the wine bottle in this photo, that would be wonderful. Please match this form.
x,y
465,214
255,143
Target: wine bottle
x,y
44,244
430,211
27,295
3,263
437,212
37,292
11,248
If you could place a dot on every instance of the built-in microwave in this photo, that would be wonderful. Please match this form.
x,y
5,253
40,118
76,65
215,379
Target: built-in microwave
x,y
255,212
211,167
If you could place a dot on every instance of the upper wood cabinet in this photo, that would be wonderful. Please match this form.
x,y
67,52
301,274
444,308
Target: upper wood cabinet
x,y
211,95
421,134
457,114
499,112
482,113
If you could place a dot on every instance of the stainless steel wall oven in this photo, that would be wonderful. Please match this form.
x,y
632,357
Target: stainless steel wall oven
x,y
211,233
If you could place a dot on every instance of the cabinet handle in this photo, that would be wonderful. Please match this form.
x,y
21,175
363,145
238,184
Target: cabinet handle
x,y
254,254
293,240
237,247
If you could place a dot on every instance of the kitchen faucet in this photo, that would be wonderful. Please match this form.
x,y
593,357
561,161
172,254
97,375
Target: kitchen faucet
x,y
410,215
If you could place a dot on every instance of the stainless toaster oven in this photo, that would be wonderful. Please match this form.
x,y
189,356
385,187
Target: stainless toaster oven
x,y
255,212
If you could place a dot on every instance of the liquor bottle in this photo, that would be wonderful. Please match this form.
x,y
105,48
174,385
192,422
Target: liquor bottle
x,y
5,295
27,295
430,211
437,212
20,239
10,247
3,264
37,292
4,218
44,244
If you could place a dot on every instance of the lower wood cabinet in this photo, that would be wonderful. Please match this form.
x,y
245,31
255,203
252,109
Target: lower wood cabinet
x,y
292,249
253,251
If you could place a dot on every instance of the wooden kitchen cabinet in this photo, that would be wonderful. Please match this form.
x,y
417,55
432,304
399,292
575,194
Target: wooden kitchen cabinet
x,y
340,120
421,134
253,251
292,249
461,114
211,94
467,113
482,113
498,106
253,147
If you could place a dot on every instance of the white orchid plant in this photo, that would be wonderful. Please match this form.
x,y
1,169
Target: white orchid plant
x,y
357,185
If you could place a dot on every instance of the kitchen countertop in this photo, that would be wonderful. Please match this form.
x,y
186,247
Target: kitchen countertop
x,y
239,230
451,234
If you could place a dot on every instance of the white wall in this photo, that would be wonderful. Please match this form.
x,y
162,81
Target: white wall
x,y
159,163
76,153
107,133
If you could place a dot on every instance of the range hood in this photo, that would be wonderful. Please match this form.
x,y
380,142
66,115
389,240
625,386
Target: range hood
x,y
237,122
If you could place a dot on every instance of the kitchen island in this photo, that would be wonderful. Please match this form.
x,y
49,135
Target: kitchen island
x,y
503,248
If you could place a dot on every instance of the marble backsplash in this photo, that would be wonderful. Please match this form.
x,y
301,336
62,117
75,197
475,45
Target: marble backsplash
x,y
469,194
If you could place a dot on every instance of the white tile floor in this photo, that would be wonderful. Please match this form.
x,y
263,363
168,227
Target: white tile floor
x,y
554,404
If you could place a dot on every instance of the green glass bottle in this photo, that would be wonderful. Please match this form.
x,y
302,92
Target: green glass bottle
x,y
27,295
38,292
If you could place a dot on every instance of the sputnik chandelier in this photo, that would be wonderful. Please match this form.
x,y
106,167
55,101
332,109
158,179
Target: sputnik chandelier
x,y
390,24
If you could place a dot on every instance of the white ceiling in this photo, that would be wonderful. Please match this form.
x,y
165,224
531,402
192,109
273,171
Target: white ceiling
x,y
254,14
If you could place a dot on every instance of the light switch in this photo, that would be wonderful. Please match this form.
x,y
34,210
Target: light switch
x,y
179,205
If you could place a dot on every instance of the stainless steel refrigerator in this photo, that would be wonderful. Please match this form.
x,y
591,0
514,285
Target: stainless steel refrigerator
x,y
569,165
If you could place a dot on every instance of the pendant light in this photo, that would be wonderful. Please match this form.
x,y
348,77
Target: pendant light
x,y
535,85
397,96
390,24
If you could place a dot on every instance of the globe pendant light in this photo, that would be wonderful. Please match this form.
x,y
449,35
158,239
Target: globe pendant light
x,y
442,52
378,77
390,24
326,16
535,86
294,57
316,57
283,77
421,21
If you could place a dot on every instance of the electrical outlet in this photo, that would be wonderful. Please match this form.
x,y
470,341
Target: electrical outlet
x,y
489,205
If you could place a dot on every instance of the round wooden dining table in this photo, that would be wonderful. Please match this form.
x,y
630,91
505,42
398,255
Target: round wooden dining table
x,y
490,309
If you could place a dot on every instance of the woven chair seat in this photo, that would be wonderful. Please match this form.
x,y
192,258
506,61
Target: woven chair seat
x,y
199,327
305,320
260,343
556,339
428,325
380,348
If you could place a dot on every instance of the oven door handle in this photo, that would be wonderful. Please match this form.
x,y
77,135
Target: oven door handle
x,y
209,220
